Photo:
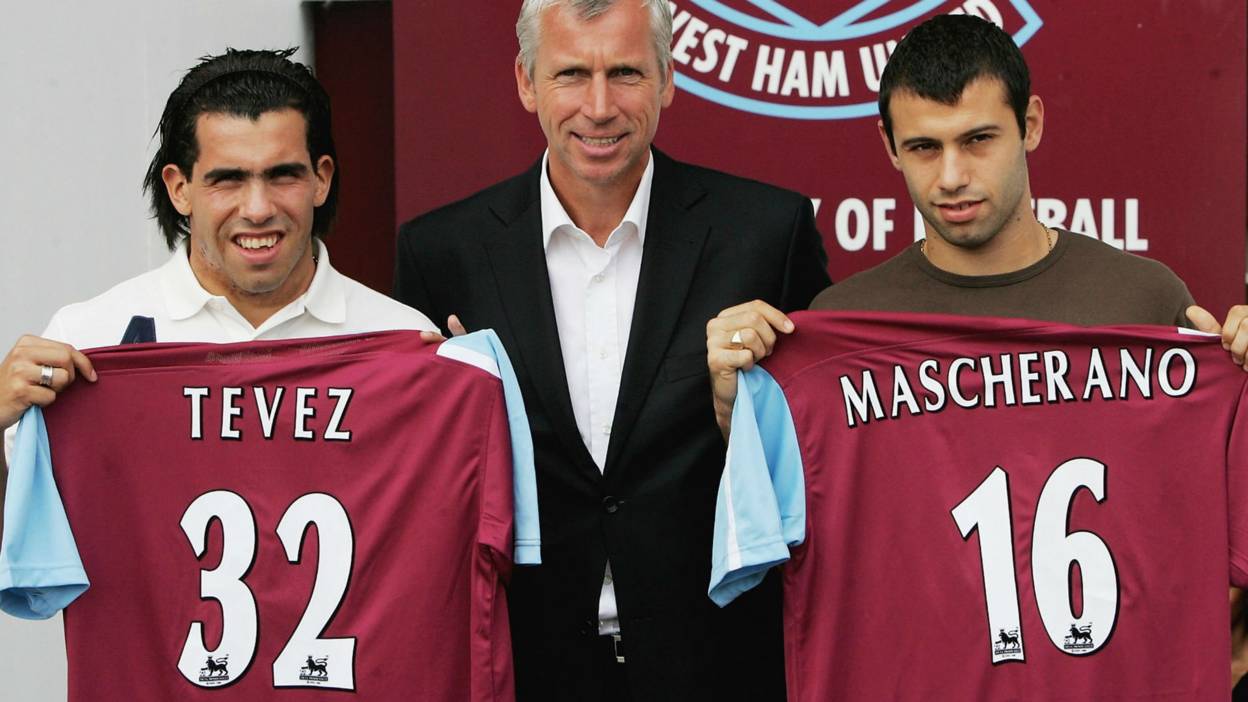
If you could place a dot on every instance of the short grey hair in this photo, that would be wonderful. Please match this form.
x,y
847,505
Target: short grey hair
x,y
528,26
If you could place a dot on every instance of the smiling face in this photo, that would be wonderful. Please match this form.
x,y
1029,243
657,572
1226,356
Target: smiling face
x,y
250,203
965,164
597,90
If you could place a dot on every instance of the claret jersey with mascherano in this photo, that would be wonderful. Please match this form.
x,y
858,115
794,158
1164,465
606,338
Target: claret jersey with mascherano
x,y
990,509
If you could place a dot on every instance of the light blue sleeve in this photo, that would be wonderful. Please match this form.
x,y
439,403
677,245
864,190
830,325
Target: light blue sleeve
x,y
761,509
40,571
524,475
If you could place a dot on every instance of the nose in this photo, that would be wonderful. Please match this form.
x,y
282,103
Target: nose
x,y
257,204
955,172
599,103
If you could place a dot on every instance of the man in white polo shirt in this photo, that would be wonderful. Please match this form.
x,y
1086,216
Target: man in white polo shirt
x,y
243,188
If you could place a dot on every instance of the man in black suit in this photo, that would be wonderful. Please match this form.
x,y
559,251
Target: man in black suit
x,y
599,268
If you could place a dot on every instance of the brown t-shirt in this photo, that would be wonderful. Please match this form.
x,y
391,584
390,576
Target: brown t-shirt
x,y
1081,281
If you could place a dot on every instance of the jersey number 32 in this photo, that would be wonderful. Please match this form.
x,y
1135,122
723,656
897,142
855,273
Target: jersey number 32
x,y
307,660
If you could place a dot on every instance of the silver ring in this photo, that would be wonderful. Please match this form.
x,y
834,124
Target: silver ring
x,y
736,339
45,376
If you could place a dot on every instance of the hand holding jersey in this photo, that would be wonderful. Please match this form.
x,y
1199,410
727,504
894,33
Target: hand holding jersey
x,y
22,375
736,339
32,374
1234,331
452,323
455,326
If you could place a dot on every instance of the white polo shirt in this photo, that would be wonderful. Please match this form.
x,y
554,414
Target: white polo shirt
x,y
183,311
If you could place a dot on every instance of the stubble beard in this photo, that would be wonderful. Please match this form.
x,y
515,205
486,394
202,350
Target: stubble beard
x,y
975,235
970,238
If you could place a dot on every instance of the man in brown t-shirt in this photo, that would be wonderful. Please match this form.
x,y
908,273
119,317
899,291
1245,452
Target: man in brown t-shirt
x,y
957,119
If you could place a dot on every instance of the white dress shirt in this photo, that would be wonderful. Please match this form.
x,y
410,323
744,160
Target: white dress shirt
x,y
593,289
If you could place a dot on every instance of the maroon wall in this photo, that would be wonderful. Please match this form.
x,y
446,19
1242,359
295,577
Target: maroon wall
x,y
355,62
459,125
1145,120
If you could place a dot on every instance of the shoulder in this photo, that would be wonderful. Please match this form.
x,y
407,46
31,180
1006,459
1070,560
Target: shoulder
x,y
1122,268
491,207
873,288
727,185
764,219
101,320
369,310
1093,249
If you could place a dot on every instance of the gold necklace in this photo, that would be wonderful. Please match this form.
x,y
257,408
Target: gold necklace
x,y
1048,238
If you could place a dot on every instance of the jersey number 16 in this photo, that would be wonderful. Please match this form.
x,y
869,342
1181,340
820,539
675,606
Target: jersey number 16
x,y
1054,553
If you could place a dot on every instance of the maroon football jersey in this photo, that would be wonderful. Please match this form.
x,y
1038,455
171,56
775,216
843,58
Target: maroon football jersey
x,y
988,509
291,520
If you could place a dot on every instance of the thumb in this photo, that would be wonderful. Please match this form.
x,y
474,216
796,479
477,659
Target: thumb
x,y
457,328
1203,320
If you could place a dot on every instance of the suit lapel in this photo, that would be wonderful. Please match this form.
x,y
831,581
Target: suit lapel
x,y
519,264
673,245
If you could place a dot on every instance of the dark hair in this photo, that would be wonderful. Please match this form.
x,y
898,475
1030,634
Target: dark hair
x,y
242,84
940,57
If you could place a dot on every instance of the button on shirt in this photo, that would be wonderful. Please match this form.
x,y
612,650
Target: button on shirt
x,y
593,289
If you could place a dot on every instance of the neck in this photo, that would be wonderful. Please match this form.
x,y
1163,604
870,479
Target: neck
x,y
257,307
597,209
1021,243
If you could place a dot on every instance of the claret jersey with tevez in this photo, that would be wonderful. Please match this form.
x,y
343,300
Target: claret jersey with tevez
x,y
975,508
278,520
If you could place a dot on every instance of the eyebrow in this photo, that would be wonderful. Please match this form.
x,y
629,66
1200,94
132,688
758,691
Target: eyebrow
x,y
559,66
218,174
577,65
981,129
286,169
918,141
293,168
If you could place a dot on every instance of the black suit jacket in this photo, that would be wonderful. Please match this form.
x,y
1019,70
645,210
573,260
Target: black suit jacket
x,y
712,241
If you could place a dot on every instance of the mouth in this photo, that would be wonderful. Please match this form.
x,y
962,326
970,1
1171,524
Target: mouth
x,y
961,211
258,248
256,242
599,142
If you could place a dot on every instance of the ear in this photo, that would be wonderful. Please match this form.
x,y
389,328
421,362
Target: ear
x,y
1034,119
524,86
888,147
669,87
324,174
176,185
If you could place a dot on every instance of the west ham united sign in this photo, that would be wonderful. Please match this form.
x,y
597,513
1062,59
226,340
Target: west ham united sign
x,y
808,59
